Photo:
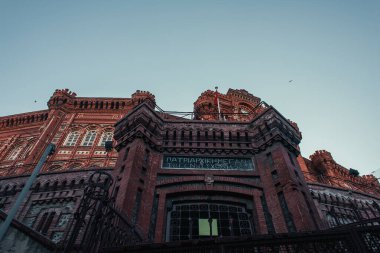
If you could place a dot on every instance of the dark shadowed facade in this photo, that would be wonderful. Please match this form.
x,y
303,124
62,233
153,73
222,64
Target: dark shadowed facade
x,y
234,174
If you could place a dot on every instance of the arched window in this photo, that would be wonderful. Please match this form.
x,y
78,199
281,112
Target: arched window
x,y
72,139
13,155
26,152
89,138
106,136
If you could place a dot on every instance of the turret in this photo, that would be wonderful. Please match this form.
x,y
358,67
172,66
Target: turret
x,y
143,96
60,98
205,108
236,105
321,160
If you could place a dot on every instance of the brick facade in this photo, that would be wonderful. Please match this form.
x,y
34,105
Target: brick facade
x,y
282,191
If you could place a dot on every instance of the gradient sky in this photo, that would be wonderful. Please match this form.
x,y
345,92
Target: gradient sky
x,y
177,49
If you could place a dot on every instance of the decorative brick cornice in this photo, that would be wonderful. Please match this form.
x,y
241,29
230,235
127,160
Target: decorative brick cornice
x,y
169,135
142,123
322,163
23,119
271,127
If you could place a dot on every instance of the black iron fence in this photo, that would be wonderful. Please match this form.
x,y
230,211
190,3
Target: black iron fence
x,y
99,227
118,231
356,239
258,109
97,224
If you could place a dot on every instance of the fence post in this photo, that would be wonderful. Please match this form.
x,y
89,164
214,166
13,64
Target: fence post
x,y
356,242
221,248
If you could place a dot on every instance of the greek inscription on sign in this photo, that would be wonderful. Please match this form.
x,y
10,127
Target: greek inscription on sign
x,y
206,163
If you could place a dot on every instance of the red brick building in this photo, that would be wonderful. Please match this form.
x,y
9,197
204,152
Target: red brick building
x,y
240,170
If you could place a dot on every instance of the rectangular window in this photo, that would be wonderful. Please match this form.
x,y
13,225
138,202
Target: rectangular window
x,y
274,174
207,229
146,156
126,154
47,224
136,209
267,216
291,159
270,161
153,217
41,223
285,211
89,138
116,192
310,210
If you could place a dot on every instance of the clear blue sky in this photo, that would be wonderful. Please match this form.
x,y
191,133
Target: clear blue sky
x,y
177,49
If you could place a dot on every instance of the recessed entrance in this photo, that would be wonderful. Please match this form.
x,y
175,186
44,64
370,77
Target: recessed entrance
x,y
194,220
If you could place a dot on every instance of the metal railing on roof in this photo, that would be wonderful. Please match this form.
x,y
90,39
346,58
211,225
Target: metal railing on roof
x,y
224,115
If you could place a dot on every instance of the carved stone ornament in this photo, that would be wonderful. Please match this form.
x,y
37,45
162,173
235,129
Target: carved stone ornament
x,y
209,179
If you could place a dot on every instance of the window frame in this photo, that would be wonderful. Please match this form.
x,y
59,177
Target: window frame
x,y
89,138
72,139
15,153
104,138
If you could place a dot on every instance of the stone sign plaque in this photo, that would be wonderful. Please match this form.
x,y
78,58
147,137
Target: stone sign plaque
x,y
206,163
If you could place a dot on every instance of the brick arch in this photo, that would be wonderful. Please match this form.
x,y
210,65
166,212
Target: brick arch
x,y
64,182
247,105
206,103
74,128
188,190
82,180
72,182
210,189
28,146
18,144
46,184
87,129
92,127
9,187
200,179
107,129
101,132
71,130
37,186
